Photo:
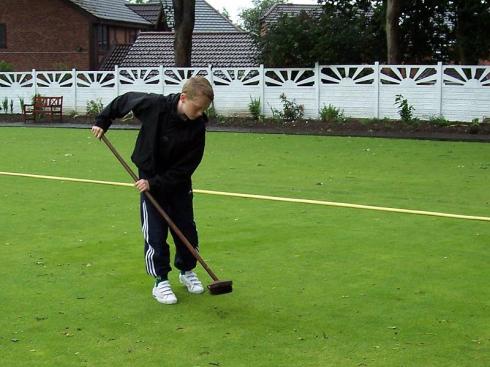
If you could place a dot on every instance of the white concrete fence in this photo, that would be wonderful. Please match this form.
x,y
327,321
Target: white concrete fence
x,y
457,93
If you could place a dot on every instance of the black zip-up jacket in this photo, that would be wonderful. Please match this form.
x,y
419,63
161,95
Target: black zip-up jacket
x,y
168,149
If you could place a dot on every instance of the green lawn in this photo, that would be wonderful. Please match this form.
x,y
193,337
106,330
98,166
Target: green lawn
x,y
313,285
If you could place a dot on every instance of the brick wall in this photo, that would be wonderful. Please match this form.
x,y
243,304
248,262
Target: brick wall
x,y
45,35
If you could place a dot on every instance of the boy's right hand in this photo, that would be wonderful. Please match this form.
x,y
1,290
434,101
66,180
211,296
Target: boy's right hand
x,y
142,185
98,132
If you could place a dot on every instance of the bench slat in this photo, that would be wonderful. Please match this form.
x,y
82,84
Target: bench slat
x,y
44,105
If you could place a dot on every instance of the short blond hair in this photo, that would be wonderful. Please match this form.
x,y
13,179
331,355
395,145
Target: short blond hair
x,y
198,86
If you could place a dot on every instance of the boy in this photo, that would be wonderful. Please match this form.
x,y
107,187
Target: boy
x,y
169,147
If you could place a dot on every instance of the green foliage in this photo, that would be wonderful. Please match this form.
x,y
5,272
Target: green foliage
x,y
60,66
254,108
11,106
325,39
225,13
439,120
73,114
331,113
430,31
213,115
35,96
291,111
5,105
22,103
299,34
5,66
251,17
211,112
94,107
405,110
470,38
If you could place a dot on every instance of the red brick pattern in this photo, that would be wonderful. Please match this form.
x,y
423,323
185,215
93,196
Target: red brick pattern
x,y
45,35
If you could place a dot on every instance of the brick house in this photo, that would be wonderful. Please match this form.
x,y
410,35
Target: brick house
x,y
65,34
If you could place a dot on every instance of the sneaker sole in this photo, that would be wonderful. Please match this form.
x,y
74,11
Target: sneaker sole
x,y
164,302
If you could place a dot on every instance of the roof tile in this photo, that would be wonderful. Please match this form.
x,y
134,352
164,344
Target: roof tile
x,y
110,10
233,49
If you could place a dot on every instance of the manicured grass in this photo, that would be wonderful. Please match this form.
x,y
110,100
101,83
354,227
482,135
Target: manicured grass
x,y
314,286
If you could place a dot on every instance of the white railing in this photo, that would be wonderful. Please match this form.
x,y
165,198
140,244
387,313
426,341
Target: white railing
x,y
458,93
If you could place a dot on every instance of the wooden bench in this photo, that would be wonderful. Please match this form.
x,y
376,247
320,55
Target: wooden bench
x,y
44,106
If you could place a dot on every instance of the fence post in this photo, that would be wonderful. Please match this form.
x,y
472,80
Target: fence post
x,y
162,77
74,76
210,74
376,89
318,84
34,81
262,88
116,80
440,80
210,79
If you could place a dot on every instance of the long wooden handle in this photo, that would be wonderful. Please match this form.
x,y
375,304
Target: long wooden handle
x,y
161,211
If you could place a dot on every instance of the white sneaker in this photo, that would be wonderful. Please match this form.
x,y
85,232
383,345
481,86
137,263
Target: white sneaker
x,y
163,293
189,279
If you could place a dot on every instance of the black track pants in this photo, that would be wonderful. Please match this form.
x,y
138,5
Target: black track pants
x,y
178,206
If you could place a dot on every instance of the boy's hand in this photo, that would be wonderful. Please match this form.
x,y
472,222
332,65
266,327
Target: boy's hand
x,y
98,132
142,185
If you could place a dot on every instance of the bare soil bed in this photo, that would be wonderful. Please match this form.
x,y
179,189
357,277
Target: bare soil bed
x,y
351,127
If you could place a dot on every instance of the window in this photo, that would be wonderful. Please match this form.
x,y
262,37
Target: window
x,y
102,37
131,35
3,36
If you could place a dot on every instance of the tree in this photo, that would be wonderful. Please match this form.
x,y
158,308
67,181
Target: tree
x,y
184,18
392,31
396,31
471,33
224,12
352,31
290,42
251,17
444,30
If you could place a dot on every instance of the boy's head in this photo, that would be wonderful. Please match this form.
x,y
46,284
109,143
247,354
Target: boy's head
x,y
197,94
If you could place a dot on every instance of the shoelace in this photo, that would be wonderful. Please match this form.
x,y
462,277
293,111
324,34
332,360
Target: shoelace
x,y
193,278
164,287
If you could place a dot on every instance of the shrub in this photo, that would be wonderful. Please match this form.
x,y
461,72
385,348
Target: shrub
x,y
254,108
211,112
405,110
5,105
34,97
213,115
94,107
331,113
22,103
5,66
291,110
439,120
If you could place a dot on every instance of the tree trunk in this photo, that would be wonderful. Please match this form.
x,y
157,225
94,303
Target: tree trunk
x,y
392,31
184,17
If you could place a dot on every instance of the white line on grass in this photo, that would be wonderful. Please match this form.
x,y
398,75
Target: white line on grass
x,y
264,197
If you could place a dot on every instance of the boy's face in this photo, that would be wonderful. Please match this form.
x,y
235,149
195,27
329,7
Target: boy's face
x,y
193,108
